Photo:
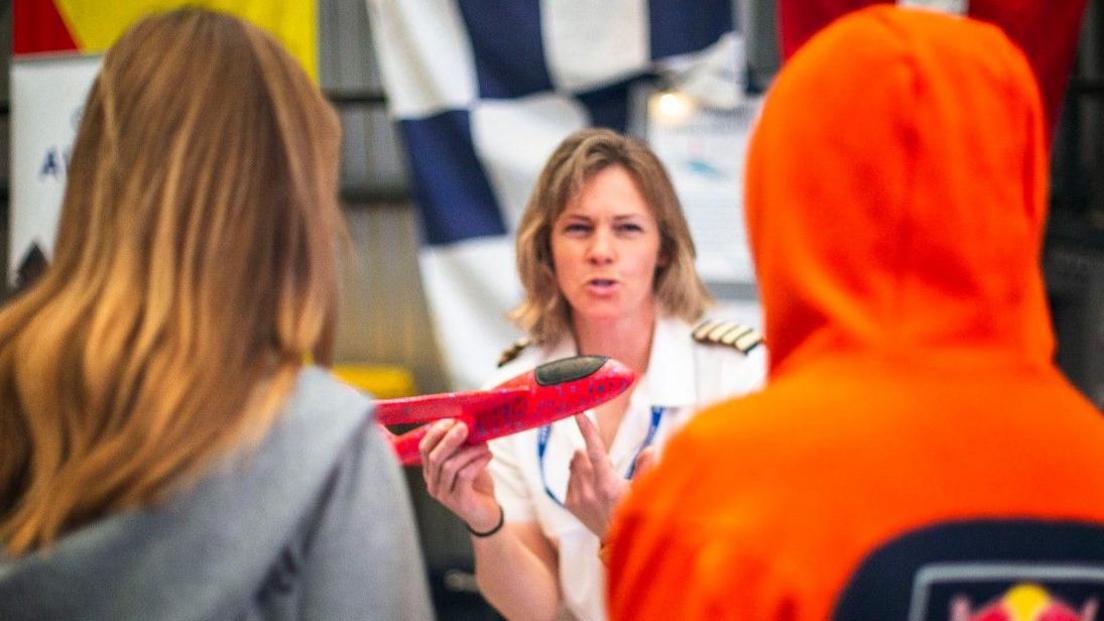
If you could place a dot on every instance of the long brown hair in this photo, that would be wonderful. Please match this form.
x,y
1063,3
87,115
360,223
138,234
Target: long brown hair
x,y
194,272
545,314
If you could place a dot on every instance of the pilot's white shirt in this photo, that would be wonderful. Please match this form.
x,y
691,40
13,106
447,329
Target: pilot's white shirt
x,y
682,377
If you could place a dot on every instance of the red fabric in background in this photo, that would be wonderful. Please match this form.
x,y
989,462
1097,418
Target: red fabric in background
x,y
38,27
1046,30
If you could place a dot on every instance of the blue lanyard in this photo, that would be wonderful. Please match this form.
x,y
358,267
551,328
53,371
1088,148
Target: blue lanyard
x,y
545,432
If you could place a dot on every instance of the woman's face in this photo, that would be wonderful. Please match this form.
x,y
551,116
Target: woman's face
x,y
605,249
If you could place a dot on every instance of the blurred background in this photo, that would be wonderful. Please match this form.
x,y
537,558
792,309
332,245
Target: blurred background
x,y
400,334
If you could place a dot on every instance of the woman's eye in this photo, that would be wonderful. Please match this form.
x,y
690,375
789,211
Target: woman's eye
x,y
576,228
630,227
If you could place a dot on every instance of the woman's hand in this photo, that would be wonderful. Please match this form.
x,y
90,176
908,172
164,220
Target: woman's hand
x,y
594,488
456,475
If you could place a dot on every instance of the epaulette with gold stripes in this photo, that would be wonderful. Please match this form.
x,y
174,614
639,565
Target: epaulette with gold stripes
x,y
514,350
730,333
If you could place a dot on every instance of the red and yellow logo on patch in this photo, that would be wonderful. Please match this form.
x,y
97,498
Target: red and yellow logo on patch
x,y
1023,602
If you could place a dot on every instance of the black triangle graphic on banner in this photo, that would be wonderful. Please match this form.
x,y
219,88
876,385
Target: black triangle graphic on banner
x,y
32,266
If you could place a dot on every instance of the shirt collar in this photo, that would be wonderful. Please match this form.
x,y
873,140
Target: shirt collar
x,y
669,381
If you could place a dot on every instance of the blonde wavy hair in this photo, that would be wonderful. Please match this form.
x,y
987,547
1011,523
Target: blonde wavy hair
x,y
194,272
545,313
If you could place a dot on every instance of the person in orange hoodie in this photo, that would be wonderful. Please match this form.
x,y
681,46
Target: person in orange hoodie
x,y
915,455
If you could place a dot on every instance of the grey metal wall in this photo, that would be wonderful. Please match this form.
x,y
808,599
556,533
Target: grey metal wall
x,y
383,314
1074,256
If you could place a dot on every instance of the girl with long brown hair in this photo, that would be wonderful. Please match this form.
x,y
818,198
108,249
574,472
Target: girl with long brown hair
x,y
164,450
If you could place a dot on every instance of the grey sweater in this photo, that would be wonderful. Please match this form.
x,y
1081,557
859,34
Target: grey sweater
x,y
314,523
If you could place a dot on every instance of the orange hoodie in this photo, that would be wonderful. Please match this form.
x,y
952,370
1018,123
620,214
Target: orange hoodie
x,y
896,199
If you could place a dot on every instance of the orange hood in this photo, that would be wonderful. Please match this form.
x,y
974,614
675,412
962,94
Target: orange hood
x,y
896,195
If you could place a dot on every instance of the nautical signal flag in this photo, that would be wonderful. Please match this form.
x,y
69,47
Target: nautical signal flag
x,y
91,26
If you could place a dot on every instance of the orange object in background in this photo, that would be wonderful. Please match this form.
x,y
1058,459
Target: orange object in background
x,y
896,200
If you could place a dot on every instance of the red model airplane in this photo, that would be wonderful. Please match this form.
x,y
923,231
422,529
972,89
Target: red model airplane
x,y
552,391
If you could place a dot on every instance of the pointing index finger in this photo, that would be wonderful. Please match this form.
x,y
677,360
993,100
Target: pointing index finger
x,y
595,448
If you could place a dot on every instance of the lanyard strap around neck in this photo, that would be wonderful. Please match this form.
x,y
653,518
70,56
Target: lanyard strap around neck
x,y
544,433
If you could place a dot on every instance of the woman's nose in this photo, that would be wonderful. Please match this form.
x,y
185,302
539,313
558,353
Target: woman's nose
x,y
602,248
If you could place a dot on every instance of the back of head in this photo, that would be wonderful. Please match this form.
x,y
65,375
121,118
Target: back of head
x,y
195,263
896,194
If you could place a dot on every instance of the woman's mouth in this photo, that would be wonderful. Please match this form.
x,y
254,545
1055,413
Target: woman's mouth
x,y
601,285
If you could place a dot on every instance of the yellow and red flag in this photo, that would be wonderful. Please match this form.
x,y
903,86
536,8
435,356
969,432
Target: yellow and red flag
x,y
91,26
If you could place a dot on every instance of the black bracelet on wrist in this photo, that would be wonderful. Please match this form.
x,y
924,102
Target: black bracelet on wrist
x,y
497,527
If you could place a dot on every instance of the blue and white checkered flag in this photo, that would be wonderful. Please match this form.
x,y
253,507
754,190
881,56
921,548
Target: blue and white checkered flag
x,y
483,91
